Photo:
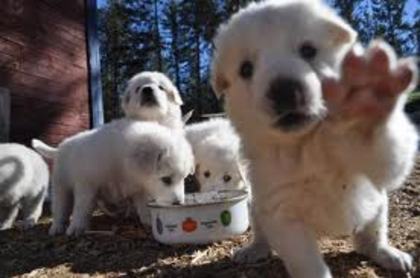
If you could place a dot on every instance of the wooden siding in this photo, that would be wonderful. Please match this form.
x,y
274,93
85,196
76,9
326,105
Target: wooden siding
x,y
43,63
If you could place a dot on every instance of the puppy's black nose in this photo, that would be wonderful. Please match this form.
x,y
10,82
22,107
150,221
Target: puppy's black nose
x,y
285,95
147,90
147,95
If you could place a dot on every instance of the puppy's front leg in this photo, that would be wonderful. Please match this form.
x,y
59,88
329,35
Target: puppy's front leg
x,y
8,216
32,209
84,203
298,248
258,249
366,118
143,212
372,241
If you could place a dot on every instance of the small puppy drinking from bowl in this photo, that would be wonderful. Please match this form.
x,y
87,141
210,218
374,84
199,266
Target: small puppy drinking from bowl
x,y
324,152
217,151
24,180
121,160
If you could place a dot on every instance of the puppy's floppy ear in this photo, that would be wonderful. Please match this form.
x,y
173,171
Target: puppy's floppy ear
x,y
124,100
340,33
149,157
197,169
175,96
218,80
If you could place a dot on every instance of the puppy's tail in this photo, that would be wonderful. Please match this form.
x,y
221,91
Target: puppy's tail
x,y
43,149
187,116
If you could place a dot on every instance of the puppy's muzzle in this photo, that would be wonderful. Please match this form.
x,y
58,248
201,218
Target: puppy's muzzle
x,y
148,97
287,100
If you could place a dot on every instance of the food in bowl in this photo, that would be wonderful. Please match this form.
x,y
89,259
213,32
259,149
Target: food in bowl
x,y
203,218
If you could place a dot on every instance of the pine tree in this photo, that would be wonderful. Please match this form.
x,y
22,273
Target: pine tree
x,y
156,36
391,24
173,44
114,35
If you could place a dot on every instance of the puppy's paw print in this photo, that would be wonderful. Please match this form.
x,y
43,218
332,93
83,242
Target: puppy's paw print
x,y
370,84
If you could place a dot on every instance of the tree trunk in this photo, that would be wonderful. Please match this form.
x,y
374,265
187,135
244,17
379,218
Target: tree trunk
x,y
197,65
157,37
175,45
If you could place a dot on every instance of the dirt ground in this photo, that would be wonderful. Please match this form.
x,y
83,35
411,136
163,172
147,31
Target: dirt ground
x,y
132,252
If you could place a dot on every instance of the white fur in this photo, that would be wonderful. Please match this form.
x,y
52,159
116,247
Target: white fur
x,y
167,110
23,185
43,149
122,160
217,152
323,179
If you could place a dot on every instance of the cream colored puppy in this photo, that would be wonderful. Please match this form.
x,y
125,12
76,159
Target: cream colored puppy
x,y
324,152
217,151
24,180
151,96
122,160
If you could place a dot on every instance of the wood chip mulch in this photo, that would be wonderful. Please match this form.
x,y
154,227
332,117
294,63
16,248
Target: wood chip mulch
x,y
128,250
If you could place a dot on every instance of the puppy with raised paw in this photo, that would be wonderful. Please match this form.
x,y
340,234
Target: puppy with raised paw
x,y
323,125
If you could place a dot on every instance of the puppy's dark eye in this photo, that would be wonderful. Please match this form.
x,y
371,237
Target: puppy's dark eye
x,y
167,180
161,88
227,178
137,90
246,70
308,51
207,174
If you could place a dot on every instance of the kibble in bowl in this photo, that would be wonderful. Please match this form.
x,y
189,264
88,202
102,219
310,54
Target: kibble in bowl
x,y
204,217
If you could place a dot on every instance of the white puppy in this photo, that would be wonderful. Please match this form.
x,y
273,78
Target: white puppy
x,y
151,96
23,185
122,160
324,152
217,152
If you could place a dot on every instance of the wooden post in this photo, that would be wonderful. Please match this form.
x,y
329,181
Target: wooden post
x,y
95,85
4,115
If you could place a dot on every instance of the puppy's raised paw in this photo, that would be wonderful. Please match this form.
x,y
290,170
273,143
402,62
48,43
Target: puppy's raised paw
x,y
370,83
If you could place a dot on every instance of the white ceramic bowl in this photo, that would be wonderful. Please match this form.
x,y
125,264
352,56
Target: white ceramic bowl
x,y
216,219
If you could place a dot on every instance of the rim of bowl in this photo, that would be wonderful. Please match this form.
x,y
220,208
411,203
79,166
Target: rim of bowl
x,y
242,194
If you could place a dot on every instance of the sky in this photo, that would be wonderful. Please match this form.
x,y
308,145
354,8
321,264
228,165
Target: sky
x,y
101,3
411,7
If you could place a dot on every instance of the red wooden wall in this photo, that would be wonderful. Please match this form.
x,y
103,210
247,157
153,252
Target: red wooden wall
x,y
43,63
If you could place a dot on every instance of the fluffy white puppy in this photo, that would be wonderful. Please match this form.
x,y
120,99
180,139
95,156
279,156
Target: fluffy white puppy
x,y
151,96
122,160
217,152
24,179
324,152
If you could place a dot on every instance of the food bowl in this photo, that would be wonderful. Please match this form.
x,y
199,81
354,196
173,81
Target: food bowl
x,y
204,218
